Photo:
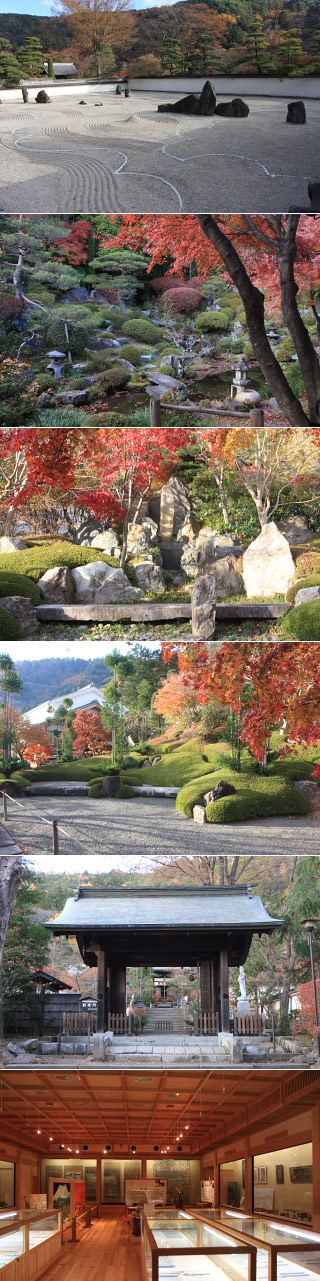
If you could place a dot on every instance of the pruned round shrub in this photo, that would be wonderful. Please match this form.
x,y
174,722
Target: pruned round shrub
x,y
248,804
19,585
313,580
95,788
183,300
213,320
112,379
125,792
9,628
168,281
79,336
143,331
303,623
130,351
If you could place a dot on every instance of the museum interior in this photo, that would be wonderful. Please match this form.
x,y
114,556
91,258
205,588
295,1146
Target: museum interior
x,y
157,1176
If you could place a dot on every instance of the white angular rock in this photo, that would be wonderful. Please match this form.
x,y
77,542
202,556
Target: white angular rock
x,y
268,566
305,594
107,542
56,585
149,576
199,814
142,536
12,544
98,583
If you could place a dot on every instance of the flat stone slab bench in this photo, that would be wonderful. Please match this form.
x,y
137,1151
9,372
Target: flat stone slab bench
x,y
150,612
148,790
57,789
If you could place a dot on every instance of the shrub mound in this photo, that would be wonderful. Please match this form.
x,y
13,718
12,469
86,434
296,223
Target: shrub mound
x,y
256,797
19,585
79,337
44,554
112,379
9,628
311,580
125,792
213,320
182,300
143,331
95,789
303,623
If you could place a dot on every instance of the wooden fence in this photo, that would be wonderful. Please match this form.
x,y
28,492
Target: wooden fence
x,y
122,1024
206,1023
249,1024
78,1022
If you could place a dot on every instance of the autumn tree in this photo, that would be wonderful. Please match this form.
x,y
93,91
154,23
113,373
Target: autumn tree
x,y
272,261
90,737
268,462
177,702
94,24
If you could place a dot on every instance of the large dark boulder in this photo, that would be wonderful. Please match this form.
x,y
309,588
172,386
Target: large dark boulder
x,y
42,96
110,785
296,113
207,100
236,108
194,104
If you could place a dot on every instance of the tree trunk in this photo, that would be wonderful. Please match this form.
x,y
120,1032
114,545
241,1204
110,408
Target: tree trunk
x,y
308,359
11,875
253,302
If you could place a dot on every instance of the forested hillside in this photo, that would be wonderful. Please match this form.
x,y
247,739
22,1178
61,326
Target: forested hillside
x,y
52,677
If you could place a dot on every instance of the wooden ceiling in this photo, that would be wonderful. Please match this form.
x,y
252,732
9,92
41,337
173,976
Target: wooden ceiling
x,y
122,1108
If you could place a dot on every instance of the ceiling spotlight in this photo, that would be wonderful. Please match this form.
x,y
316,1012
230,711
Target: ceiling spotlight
x,y
50,1138
133,1147
38,1131
61,1147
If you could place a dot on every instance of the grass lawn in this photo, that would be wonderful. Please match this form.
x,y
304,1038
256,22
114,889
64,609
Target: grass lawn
x,y
179,766
73,771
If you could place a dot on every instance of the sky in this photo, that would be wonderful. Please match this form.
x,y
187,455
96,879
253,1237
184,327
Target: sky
x,y
44,8
75,863
35,650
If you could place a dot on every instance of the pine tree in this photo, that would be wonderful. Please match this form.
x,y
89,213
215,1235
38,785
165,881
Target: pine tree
x,y
10,71
30,57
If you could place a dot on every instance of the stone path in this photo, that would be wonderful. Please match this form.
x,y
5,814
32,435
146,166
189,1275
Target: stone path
x,y
92,158
146,827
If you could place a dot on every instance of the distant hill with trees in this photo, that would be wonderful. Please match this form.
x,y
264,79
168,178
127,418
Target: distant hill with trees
x,y
52,677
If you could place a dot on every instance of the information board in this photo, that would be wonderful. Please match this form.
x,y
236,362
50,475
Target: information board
x,y
142,1191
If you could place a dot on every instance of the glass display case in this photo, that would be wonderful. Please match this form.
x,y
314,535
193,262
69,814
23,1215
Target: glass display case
x,y
283,1244
177,1245
30,1240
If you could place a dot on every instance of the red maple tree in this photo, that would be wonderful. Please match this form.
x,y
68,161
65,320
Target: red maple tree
x,y
91,739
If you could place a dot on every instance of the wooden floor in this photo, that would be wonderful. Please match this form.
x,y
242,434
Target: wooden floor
x,y
106,1252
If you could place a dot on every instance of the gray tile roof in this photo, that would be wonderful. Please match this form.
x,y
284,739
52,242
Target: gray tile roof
x,y
163,908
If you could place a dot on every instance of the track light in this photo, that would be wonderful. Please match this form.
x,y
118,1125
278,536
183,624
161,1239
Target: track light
x,y
133,1147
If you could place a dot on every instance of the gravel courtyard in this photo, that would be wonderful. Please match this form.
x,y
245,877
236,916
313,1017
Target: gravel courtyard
x,y
148,827
91,158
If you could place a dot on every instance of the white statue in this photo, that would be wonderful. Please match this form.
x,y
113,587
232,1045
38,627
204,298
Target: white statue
x,y
242,982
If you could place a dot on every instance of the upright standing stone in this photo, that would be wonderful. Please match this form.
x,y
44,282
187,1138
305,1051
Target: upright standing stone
x,y
296,113
174,507
203,600
268,566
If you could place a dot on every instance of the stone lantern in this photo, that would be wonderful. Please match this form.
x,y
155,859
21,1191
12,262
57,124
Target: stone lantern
x,y
242,395
56,362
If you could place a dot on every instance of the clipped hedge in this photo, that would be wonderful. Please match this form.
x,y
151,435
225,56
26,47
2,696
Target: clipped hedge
x,y
19,585
125,792
79,337
303,623
213,320
131,351
312,580
9,628
143,331
255,797
95,789
43,555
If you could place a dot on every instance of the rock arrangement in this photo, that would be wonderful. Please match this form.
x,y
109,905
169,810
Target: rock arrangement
x,y
296,113
268,565
217,793
205,104
42,96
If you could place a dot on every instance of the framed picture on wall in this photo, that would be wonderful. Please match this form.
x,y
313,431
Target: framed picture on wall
x,y
263,1174
301,1174
255,1175
279,1173
243,1172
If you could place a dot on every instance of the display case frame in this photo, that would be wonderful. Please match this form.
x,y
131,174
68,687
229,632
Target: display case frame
x,y
160,1251
34,1257
301,1239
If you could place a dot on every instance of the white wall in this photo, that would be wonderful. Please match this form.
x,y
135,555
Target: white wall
x,y
234,86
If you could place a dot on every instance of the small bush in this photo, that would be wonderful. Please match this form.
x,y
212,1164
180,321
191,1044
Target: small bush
x,y
111,379
79,336
183,300
313,580
303,623
143,331
19,585
95,789
131,351
125,792
213,320
9,628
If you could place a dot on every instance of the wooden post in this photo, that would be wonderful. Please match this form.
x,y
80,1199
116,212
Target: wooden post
x,y
155,412
98,1188
5,807
224,990
248,1195
102,975
257,417
55,831
59,1036
74,1229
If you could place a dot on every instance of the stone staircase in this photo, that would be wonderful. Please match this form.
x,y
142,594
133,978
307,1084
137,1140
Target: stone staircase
x,y
166,1020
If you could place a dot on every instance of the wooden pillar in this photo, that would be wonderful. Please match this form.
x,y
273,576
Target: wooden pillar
x,y
316,1165
216,1177
224,993
248,1195
207,986
117,981
18,1195
102,979
98,1194
216,992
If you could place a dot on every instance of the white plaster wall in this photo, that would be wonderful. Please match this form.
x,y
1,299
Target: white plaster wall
x,y
232,86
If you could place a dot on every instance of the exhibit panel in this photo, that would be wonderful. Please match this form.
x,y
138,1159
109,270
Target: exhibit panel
x,y
184,1173
85,1170
29,1243
181,1245
114,1174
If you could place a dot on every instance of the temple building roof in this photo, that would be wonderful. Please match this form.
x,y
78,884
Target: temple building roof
x,y
192,908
